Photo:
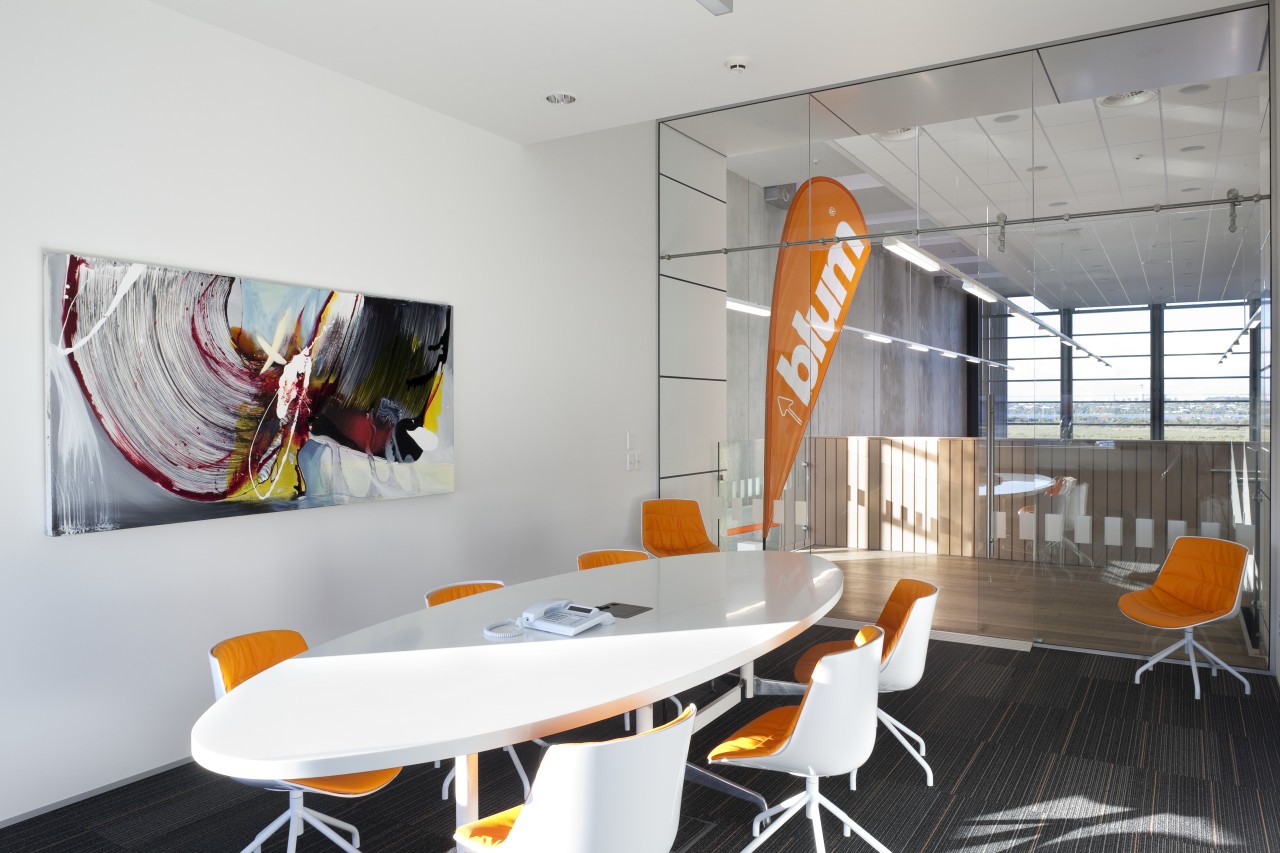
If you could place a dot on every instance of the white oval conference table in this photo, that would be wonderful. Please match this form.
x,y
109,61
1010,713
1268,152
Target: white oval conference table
x,y
428,685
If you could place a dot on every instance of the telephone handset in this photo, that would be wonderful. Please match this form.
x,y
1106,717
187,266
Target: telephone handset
x,y
562,616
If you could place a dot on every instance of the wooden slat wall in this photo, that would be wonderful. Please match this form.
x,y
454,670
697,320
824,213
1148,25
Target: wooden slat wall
x,y
920,495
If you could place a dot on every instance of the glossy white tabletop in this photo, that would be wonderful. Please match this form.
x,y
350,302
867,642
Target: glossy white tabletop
x,y
429,686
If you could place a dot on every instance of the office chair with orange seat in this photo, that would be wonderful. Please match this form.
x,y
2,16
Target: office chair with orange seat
x,y
618,795
238,659
672,528
452,592
906,619
608,557
831,732
1198,583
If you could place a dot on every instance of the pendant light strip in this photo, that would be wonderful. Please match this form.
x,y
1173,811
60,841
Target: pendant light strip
x,y
879,337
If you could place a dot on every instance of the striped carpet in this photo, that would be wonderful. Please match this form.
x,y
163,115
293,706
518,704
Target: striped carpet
x,y
1047,750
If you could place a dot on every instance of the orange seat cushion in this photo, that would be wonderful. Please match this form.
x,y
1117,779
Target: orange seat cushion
x,y
461,590
893,617
1198,583
489,831
672,528
350,784
597,559
240,658
764,735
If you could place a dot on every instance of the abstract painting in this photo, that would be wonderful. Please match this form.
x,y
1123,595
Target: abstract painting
x,y
177,395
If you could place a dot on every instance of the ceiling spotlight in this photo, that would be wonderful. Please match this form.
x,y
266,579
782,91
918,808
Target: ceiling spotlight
x,y
1193,88
1127,99
880,339
1057,204
560,98
717,7
918,347
1006,118
946,354
1187,149
910,253
972,360
1191,189
1036,168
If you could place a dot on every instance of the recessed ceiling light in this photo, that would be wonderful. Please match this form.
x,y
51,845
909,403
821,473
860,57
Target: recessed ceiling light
x,y
1036,168
896,135
1191,189
1127,99
1189,148
1057,204
1005,119
1193,88
560,98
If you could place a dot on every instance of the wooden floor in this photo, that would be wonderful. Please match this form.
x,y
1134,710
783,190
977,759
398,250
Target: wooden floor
x,y
1026,602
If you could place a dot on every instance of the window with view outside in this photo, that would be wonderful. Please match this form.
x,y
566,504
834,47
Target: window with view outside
x,y
1034,384
1112,401
1206,397
1205,375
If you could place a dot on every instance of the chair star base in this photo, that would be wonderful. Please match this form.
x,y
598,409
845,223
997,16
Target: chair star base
x,y
901,732
812,801
1189,644
295,816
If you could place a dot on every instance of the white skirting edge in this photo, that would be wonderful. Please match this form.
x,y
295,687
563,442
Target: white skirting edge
x,y
947,636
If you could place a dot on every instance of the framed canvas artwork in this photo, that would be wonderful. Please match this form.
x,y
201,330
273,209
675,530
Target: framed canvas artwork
x,y
176,395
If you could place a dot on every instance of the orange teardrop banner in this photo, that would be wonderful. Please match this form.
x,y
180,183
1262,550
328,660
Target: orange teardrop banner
x,y
812,290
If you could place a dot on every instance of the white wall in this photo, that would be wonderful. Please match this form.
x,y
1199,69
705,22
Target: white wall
x,y
133,132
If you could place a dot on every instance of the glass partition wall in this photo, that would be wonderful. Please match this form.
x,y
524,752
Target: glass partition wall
x,y
1082,376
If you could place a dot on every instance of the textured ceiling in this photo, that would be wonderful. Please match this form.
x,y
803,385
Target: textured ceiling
x,y
490,64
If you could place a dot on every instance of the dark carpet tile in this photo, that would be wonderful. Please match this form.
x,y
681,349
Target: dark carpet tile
x,y
1118,700
1043,685
1001,770
1118,740
69,840
1033,727
966,713
1183,751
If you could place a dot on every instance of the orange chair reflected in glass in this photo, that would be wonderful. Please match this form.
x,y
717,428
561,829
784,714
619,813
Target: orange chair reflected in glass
x,y
672,528
1199,583
235,661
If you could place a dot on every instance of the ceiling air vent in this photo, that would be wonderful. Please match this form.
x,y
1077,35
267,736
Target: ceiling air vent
x,y
1128,99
